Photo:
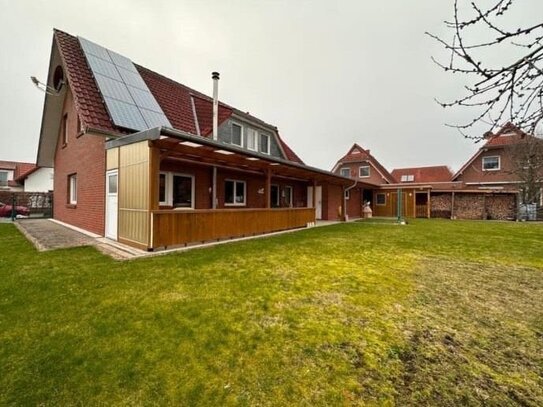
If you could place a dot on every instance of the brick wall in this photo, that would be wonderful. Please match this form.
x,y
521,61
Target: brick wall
x,y
84,156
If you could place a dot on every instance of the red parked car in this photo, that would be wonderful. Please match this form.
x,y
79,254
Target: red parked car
x,y
5,210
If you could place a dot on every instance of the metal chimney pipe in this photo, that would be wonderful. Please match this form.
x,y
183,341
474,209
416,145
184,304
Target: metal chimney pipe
x,y
215,77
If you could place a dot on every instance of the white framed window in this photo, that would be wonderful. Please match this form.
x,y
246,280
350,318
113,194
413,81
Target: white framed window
x,y
72,189
491,163
163,188
364,171
235,192
264,143
381,199
176,189
348,194
345,172
237,134
4,178
288,195
407,178
182,187
252,139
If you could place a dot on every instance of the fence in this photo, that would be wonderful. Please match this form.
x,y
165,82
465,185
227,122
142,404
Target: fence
x,y
40,204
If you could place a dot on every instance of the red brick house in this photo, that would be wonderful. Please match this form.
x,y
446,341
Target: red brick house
x,y
486,187
150,162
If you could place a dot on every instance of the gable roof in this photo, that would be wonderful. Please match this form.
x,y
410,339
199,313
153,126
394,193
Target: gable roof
x,y
358,154
508,135
437,173
187,109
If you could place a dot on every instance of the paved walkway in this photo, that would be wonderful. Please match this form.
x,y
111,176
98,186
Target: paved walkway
x,y
48,235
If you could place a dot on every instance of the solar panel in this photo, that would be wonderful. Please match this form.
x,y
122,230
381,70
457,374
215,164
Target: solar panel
x,y
128,99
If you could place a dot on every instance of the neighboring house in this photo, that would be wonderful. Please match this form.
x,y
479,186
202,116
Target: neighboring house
x,y
150,162
38,179
486,187
20,176
359,165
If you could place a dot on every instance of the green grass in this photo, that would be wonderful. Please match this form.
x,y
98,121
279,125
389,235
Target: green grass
x,y
431,313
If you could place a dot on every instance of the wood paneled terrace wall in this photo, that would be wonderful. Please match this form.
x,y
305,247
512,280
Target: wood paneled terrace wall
x,y
175,227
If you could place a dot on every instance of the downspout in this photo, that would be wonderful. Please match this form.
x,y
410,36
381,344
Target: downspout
x,y
345,190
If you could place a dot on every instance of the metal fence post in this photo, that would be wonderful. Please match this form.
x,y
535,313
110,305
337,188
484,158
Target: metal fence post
x,y
13,210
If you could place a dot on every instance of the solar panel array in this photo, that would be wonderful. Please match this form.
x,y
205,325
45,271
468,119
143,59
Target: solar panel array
x,y
128,99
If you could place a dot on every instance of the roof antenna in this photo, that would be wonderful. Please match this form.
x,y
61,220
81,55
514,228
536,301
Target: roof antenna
x,y
47,89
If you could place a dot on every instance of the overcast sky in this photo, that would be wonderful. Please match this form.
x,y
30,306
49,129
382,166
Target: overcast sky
x,y
326,73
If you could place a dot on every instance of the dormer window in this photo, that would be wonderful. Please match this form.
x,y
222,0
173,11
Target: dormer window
x,y
265,144
491,163
237,134
252,139
345,172
407,178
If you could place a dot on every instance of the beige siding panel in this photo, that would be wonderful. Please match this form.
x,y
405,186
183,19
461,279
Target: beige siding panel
x,y
134,225
133,192
112,158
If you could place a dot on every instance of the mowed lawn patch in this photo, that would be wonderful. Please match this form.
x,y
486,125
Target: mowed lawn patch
x,y
434,312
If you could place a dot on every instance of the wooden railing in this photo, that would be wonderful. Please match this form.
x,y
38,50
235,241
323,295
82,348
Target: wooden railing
x,y
177,227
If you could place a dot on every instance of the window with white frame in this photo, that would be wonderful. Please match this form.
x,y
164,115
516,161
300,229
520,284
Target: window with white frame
x,y
252,139
381,199
72,189
491,163
162,189
348,194
176,190
265,144
345,172
288,195
3,178
364,171
234,193
237,134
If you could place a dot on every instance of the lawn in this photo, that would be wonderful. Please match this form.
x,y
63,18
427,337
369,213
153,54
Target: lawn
x,y
431,313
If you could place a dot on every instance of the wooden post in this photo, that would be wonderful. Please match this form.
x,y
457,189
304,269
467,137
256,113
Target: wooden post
x,y
267,189
315,194
214,189
154,193
452,205
428,202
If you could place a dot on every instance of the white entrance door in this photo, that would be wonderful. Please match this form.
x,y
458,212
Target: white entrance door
x,y
318,195
111,204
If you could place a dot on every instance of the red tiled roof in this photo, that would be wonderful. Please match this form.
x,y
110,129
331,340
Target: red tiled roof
x,y
204,113
88,101
24,170
439,173
175,99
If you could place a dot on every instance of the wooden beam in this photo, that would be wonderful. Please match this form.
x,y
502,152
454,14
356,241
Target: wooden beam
x,y
267,189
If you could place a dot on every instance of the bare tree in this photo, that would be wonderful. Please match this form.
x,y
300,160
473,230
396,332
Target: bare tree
x,y
527,165
511,90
